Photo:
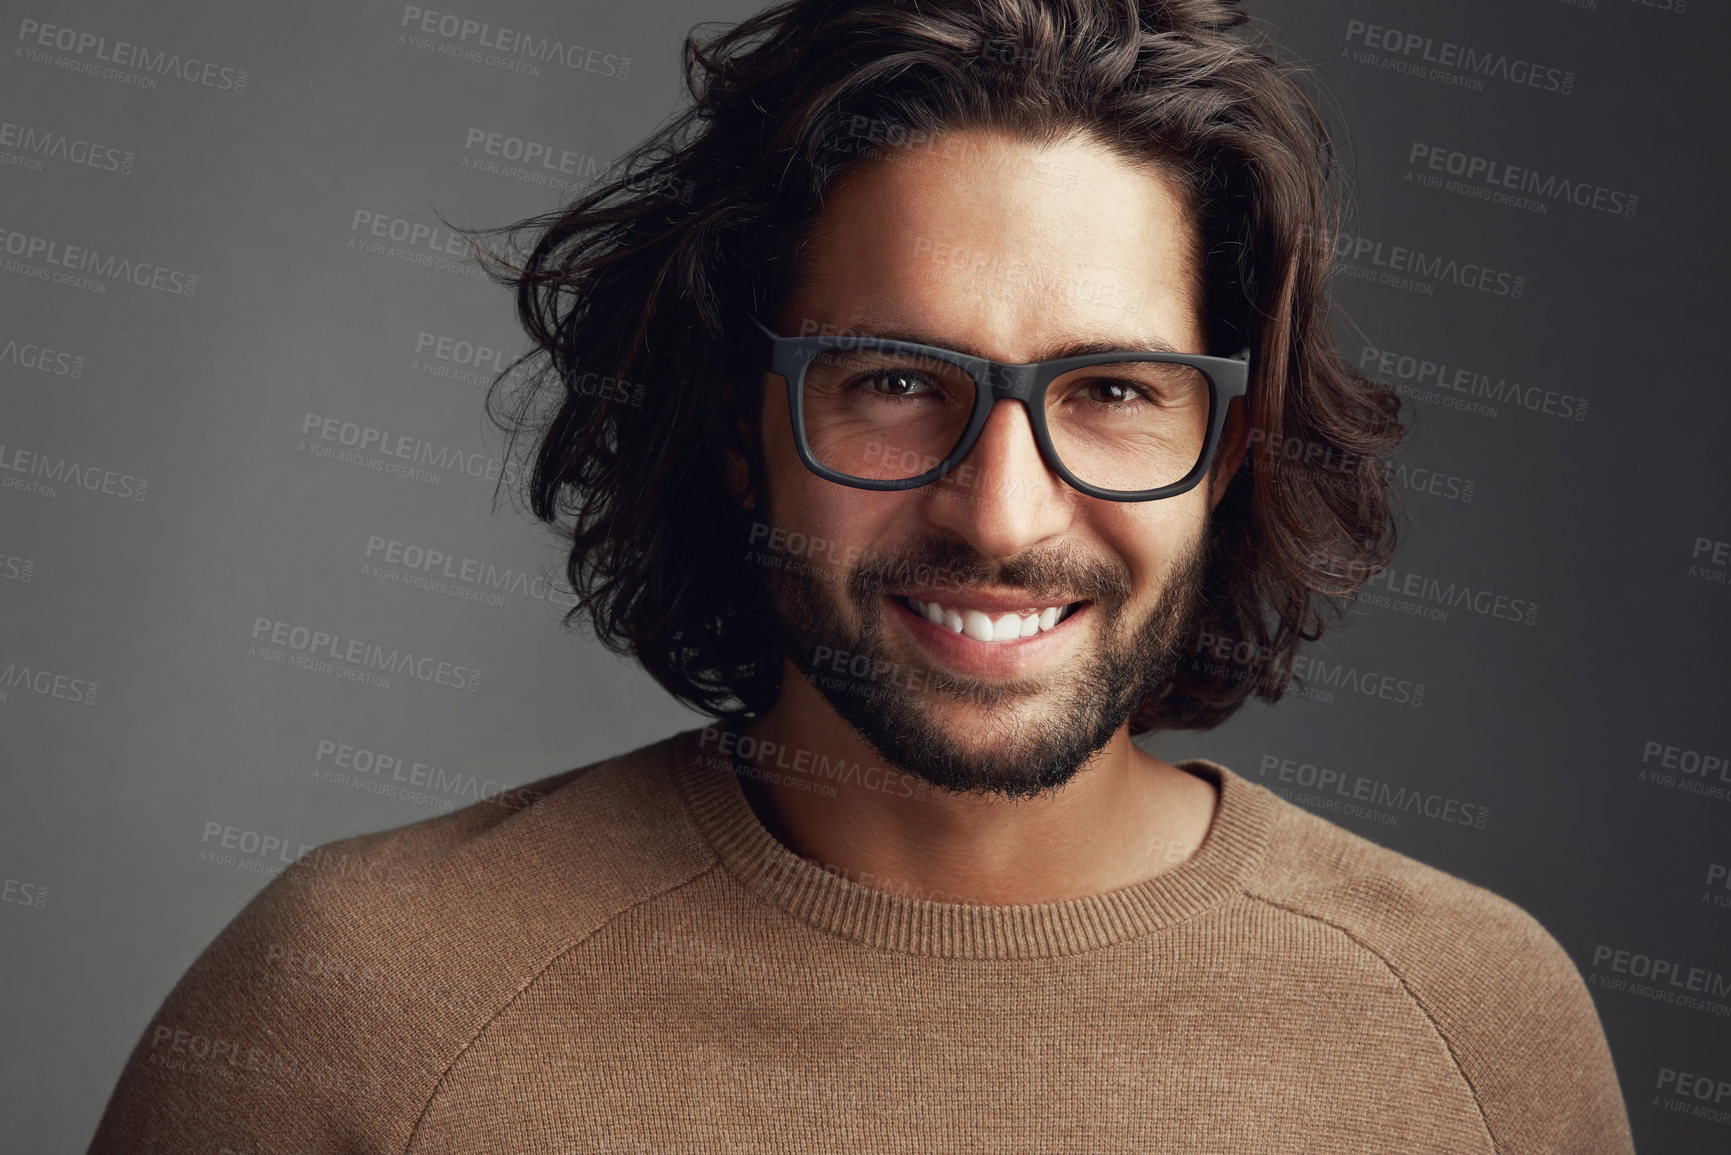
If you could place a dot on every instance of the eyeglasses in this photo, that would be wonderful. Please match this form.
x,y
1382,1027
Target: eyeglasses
x,y
876,413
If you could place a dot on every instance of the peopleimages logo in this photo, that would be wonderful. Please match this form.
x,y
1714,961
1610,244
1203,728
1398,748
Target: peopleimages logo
x,y
433,238
66,260
1443,596
32,355
1702,1096
1421,479
1711,560
417,243
408,780
352,658
1500,181
1718,879
33,145
1336,789
1402,267
369,447
533,161
1686,770
1465,389
460,33
88,46
1664,980
458,359
456,576
1307,676
1416,54
41,474
1674,7
47,683
1687,761
21,893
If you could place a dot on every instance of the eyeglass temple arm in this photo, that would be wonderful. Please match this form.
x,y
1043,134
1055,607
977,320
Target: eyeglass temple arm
x,y
760,343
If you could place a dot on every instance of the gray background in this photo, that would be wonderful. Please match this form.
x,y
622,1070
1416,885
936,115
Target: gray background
x,y
112,878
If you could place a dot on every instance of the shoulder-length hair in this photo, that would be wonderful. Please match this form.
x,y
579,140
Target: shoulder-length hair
x,y
635,296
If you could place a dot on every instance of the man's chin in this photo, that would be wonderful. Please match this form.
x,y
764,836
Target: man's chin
x,y
1013,745
989,718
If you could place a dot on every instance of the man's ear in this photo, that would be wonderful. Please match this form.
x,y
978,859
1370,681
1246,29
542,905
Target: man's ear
x,y
1234,437
739,485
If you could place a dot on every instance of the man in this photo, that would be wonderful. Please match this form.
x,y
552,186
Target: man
x,y
934,498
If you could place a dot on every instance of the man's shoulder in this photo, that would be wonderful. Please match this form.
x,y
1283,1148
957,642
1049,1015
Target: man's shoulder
x,y
545,859
1389,903
1500,990
358,975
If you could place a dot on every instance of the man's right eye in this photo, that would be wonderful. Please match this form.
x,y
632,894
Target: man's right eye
x,y
897,383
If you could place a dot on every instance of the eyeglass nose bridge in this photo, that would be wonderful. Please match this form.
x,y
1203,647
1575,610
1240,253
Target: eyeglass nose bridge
x,y
1011,382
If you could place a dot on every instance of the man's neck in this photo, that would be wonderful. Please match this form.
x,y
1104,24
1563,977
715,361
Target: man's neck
x,y
1125,817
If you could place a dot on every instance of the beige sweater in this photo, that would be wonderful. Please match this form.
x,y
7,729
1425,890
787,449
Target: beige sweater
x,y
622,959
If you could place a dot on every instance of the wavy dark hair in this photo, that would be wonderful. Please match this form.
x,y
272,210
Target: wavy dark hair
x,y
634,297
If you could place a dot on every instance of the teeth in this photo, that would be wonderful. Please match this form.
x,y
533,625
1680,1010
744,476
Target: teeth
x,y
984,628
978,627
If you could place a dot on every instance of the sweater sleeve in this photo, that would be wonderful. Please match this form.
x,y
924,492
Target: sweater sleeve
x,y
327,1014
1505,998
1522,1025
289,1032
1500,991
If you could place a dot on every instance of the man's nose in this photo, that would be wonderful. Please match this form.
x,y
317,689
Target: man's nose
x,y
1002,498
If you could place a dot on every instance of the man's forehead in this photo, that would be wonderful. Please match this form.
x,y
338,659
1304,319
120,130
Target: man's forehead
x,y
1033,269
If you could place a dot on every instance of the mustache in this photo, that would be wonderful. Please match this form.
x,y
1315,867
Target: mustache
x,y
941,563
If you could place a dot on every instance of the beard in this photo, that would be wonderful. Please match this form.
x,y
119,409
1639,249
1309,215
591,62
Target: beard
x,y
898,705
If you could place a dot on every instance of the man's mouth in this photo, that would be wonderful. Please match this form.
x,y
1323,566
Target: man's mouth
x,y
991,623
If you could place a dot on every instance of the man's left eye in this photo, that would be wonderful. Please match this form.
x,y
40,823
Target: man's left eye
x,y
1113,391
900,384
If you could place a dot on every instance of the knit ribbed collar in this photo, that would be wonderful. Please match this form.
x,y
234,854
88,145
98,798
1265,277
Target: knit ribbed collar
x,y
892,922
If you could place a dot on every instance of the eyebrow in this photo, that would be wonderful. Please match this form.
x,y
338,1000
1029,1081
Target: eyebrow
x,y
1057,352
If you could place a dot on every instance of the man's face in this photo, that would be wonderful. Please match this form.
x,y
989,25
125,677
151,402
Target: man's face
x,y
986,244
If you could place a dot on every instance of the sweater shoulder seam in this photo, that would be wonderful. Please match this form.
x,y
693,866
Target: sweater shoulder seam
x,y
1406,987
531,979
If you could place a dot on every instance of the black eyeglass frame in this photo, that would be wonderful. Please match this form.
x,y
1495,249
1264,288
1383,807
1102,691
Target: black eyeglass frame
x,y
994,381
